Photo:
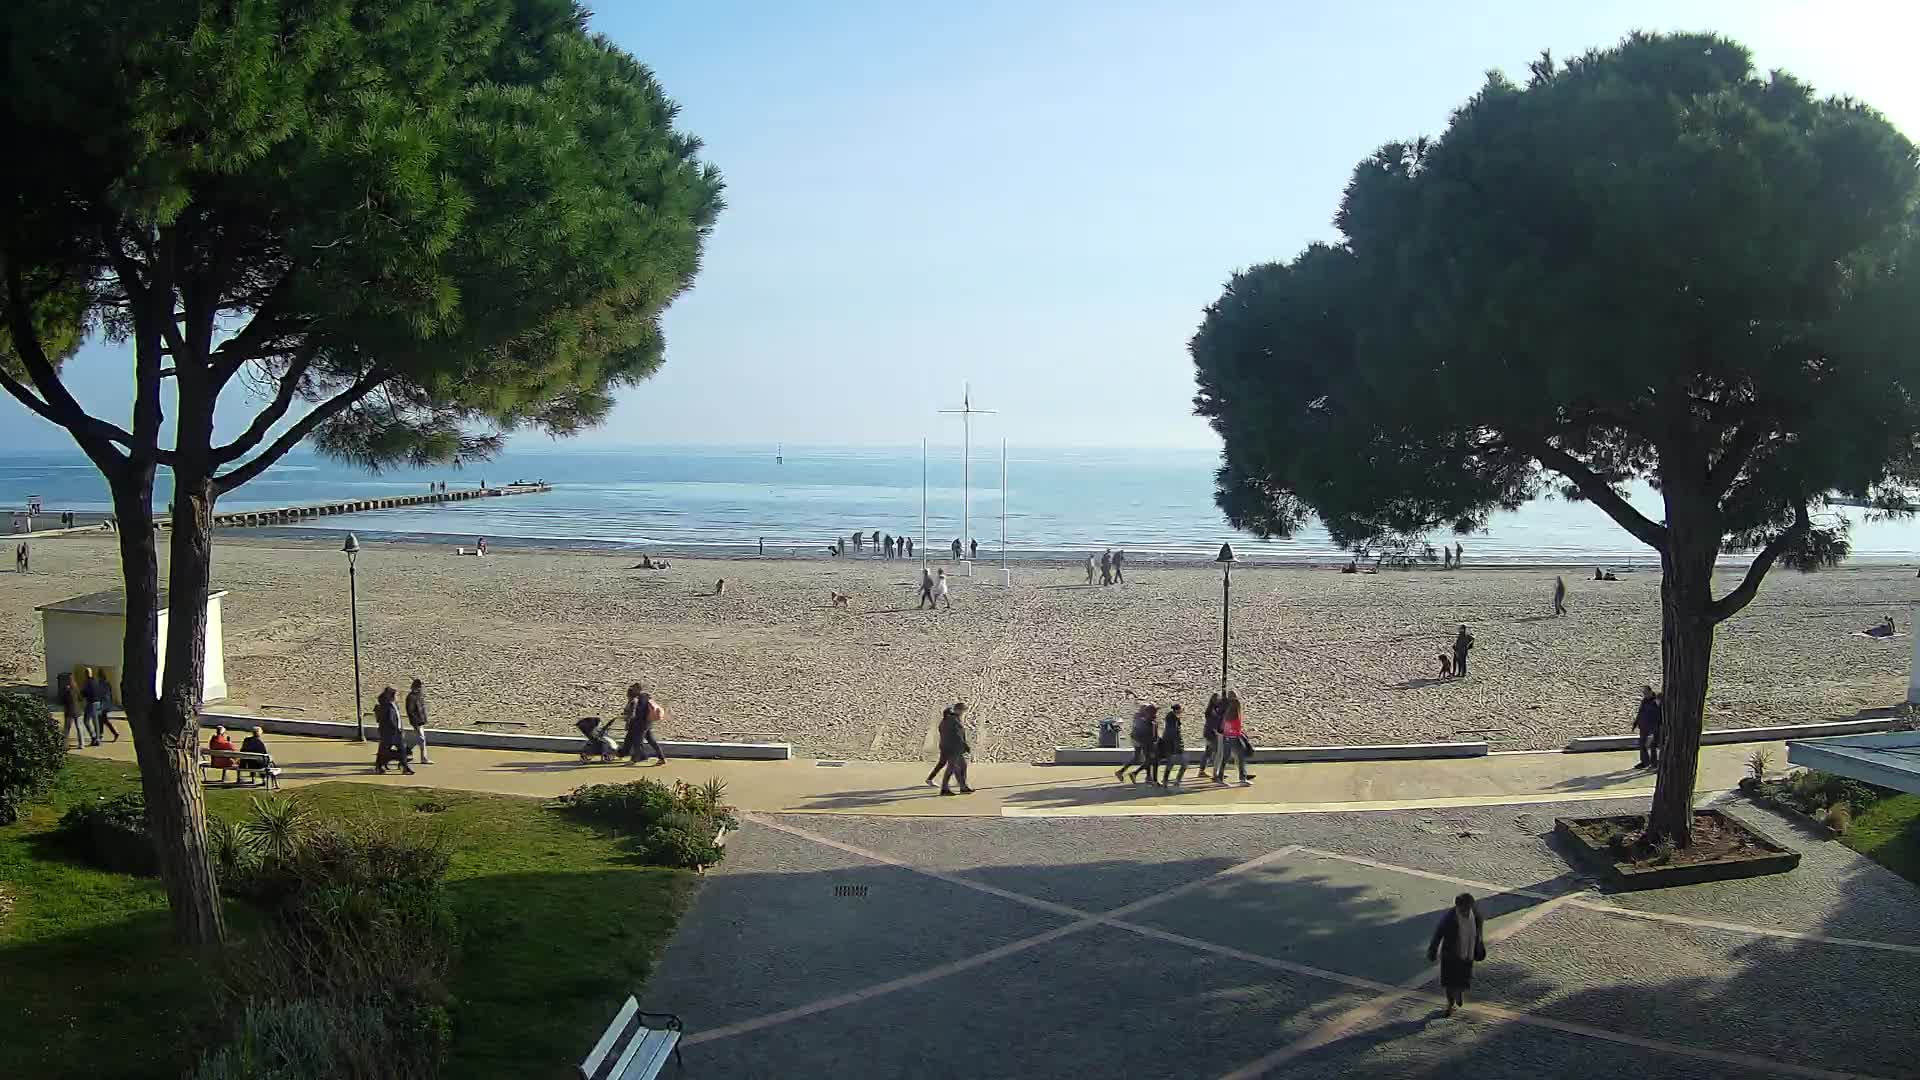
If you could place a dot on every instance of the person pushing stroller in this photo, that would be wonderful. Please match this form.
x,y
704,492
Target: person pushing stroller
x,y
599,745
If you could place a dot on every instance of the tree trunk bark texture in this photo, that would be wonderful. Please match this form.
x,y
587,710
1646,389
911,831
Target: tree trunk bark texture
x,y
192,890
1686,647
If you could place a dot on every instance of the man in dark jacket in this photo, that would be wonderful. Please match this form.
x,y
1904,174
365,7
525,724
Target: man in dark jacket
x,y
417,718
393,747
1647,723
954,748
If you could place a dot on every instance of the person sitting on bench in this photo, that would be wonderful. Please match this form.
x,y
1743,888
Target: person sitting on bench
x,y
224,763
256,759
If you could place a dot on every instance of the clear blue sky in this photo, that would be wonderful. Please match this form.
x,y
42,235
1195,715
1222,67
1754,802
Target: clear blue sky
x,y
1041,197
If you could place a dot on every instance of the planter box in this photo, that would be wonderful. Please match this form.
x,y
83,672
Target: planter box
x,y
1764,855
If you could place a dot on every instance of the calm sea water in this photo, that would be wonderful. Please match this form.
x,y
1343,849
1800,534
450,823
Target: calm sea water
x,y
1155,503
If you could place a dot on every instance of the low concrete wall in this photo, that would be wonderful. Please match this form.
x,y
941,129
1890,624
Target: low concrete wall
x,y
499,740
1118,756
1720,736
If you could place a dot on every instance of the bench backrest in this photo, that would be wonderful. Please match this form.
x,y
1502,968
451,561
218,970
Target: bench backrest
x,y
616,1045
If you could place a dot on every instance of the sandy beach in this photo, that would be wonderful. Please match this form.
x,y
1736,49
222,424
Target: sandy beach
x,y
531,640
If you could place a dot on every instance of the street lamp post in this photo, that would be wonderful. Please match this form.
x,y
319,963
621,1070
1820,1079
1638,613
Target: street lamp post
x,y
1225,559
352,548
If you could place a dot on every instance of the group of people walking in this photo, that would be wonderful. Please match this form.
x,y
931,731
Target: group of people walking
x,y
1159,744
86,705
642,714
954,749
885,545
1112,565
393,748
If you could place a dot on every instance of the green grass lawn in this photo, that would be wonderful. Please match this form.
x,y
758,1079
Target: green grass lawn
x,y
558,924
1888,832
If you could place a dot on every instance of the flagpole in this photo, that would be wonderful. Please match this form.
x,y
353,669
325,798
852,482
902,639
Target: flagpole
x,y
1006,575
923,499
966,412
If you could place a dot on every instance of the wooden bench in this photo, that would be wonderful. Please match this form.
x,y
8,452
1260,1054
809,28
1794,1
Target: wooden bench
x,y
250,761
632,1048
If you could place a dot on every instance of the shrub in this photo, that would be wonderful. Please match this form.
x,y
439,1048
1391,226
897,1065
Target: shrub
x,y
32,749
322,1040
235,860
1758,763
277,826
669,826
110,833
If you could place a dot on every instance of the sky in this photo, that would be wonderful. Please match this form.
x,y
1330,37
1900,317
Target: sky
x,y
1039,200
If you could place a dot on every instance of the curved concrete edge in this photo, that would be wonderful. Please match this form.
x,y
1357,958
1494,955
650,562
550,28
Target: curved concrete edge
x,y
1118,756
499,740
1722,736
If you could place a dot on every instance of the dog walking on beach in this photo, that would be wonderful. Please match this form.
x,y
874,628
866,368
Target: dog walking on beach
x,y
839,599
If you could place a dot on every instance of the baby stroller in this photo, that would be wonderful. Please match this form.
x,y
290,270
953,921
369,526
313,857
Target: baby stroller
x,y
598,745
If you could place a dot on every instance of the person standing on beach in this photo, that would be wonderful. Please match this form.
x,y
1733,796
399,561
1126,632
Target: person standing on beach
x,y
956,549
888,541
642,714
1120,565
909,547
417,718
1106,566
1089,569
1459,554
1559,596
1144,736
973,549
954,748
875,538
1457,943
393,747
1172,748
926,589
1646,722
858,540
1462,644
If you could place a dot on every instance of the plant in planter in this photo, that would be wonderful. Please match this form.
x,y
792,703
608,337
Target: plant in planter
x,y
1758,763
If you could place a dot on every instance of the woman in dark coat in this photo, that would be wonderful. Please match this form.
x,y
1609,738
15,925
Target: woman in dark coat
x,y
954,748
1457,942
1145,737
1172,749
1647,723
393,747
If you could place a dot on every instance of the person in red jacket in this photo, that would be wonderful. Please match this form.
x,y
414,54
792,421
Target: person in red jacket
x,y
220,742
1233,741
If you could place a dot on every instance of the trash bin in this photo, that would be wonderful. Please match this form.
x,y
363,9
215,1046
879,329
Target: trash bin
x,y
1110,732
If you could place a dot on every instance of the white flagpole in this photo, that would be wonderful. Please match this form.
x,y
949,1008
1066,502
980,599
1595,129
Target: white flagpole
x,y
923,499
1006,576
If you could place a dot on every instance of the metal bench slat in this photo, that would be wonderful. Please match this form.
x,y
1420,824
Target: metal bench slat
x,y
651,1056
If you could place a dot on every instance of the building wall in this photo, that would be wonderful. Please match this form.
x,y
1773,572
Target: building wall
x,y
73,639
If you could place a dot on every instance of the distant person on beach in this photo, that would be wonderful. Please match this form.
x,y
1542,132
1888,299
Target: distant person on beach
x,y
1446,558
926,589
973,549
1459,554
1462,644
393,747
1172,749
480,545
22,560
1089,569
1559,596
1885,628
858,540
956,549
887,546
940,589
1106,567
1145,737
954,748
1597,575
909,547
1233,741
1457,943
1646,723
1120,565
417,718
642,714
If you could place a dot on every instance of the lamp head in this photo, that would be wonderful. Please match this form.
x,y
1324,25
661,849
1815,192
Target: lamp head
x,y
352,546
1226,554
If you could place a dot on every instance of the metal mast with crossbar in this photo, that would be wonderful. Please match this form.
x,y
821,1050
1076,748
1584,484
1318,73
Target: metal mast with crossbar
x,y
966,412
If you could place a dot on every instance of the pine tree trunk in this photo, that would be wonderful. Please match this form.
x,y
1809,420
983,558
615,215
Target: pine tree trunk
x,y
165,744
1686,647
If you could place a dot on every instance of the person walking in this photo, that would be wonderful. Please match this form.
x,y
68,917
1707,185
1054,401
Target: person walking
x,y
1120,565
1145,736
1172,748
1458,942
954,748
1089,569
417,718
1559,596
1210,731
1233,741
973,549
1106,567
956,549
26,559
1647,723
909,547
926,588
393,746
1462,644
70,706
103,714
940,589
642,713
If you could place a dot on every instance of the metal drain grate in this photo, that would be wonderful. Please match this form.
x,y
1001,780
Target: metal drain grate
x,y
829,764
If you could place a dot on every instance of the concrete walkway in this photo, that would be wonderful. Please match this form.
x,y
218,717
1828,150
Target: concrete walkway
x,y
1020,790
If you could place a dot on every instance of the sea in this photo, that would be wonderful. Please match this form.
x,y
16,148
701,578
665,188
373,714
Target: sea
x,y
1054,503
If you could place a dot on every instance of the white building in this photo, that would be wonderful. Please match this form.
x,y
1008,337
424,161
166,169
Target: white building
x,y
90,631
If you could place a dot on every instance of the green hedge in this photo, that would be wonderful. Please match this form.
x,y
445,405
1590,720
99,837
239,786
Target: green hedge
x,y
32,749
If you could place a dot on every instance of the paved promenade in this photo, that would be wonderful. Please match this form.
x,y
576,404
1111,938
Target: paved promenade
x,y
1015,790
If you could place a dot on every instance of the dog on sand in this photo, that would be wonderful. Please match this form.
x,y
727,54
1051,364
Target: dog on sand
x,y
840,599
720,587
1446,666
